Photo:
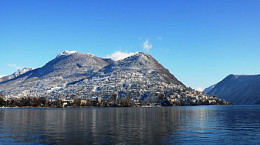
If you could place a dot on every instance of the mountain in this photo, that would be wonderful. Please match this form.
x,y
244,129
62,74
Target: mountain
x,y
71,64
137,71
208,89
139,78
141,63
238,89
15,74
66,67
69,69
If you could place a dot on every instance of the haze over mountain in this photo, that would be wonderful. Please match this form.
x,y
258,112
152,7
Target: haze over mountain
x,y
238,89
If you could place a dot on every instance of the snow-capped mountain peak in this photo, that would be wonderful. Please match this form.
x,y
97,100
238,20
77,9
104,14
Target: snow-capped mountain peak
x,y
72,70
66,52
15,74
22,71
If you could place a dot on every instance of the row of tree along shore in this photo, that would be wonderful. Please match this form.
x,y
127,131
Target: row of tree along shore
x,y
96,102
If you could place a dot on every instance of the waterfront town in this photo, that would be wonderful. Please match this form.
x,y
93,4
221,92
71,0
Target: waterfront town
x,y
116,90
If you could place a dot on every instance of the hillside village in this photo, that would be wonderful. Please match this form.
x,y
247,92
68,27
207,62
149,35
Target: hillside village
x,y
138,80
127,90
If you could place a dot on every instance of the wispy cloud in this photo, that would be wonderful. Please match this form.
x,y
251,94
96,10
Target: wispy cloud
x,y
147,46
14,66
118,55
159,38
199,89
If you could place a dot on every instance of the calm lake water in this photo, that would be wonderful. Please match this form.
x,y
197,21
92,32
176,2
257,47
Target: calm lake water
x,y
164,125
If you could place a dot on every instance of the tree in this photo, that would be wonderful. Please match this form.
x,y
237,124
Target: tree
x,y
42,101
77,102
126,102
2,101
26,101
34,102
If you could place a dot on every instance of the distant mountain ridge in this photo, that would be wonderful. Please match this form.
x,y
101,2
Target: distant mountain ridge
x,y
208,89
238,89
15,74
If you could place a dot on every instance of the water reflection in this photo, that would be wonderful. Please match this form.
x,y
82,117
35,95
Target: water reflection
x,y
169,125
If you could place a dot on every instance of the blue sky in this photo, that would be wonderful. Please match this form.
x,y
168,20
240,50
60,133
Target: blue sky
x,y
199,41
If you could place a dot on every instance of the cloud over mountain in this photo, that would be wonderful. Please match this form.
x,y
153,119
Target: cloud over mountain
x,y
118,55
147,45
199,89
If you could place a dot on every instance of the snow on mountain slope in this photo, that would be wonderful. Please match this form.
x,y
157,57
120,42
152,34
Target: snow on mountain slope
x,y
141,63
73,72
56,73
15,74
66,52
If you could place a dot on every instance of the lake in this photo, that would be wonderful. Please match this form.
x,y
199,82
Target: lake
x,y
162,125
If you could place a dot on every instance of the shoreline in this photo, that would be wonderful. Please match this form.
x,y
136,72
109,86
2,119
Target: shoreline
x,y
111,106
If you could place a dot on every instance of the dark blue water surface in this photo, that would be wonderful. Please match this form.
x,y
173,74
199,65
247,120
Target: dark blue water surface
x,y
163,125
